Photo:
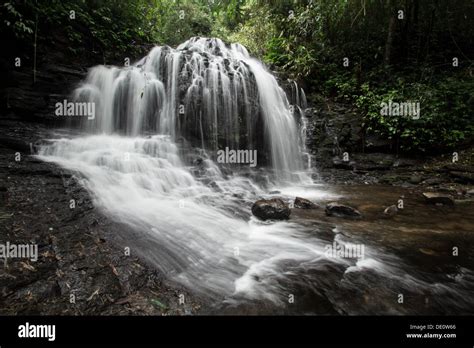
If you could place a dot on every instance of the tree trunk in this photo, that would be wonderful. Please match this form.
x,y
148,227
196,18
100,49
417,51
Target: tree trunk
x,y
34,53
390,34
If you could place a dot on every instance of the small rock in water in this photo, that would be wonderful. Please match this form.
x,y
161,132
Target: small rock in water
x,y
340,210
438,198
304,203
415,179
271,209
274,192
433,181
199,161
391,210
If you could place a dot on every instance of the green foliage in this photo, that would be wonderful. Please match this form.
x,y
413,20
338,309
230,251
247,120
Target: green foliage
x,y
408,59
176,22
255,32
445,113
14,22
112,29
313,37
104,28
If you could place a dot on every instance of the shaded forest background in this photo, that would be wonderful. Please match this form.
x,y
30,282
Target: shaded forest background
x,y
359,52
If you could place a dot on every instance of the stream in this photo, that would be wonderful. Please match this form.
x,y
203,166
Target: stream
x,y
148,159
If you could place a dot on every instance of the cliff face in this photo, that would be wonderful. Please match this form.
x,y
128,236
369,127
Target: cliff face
x,y
30,95
331,131
34,101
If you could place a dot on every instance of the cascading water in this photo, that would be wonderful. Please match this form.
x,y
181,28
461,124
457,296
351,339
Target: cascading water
x,y
145,160
213,95
192,217
299,103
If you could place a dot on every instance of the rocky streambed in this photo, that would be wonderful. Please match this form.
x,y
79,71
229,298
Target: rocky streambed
x,y
84,265
417,234
417,256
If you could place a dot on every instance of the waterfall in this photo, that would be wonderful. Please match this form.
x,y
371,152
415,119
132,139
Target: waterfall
x,y
145,160
299,106
213,95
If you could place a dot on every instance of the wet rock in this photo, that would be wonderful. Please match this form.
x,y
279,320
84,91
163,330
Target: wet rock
x,y
449,189
464,201
463,177
15,144
391,210
377,143
415,179
37,101
389,179
303,203
199,161
370,166
341,210
438,198
271,209
330,132
373,161
394,179
213,184
433,181
458,168
274,192
340,164
404,163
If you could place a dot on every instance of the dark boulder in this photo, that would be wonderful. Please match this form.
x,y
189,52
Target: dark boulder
x,y
271,209
438,198
303,203
340,210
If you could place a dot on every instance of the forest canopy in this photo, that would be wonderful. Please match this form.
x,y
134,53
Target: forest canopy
x,y
359,52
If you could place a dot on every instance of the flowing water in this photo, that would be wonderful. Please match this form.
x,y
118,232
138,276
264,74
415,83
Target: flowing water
x,y
148,160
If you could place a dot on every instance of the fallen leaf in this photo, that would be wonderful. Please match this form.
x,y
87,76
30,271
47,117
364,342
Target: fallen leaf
x,y
93,294
28,266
